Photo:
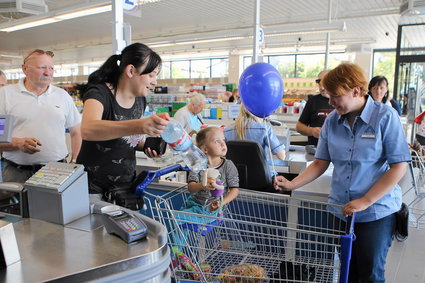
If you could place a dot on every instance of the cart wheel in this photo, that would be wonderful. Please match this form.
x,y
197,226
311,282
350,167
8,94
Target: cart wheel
x,y
400,238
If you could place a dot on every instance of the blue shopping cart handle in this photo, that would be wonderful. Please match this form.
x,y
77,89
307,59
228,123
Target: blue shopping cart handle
x,y
152,175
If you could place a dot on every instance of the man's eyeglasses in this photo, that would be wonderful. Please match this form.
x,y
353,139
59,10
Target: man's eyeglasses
x,y
40,52
318,81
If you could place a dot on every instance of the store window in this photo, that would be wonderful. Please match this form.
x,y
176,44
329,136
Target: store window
x,y
412,41
14,74
308,66
384,65
337,58
200,68
302,65
180,69
284,64
165,72
219,68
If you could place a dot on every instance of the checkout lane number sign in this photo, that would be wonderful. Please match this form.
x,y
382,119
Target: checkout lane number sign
x,y
130,5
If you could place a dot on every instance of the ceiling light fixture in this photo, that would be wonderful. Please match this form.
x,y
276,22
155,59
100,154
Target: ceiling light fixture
x,y
53,17
275,31
157,45
336,26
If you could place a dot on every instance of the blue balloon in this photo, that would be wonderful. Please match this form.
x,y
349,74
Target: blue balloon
x,y
261,89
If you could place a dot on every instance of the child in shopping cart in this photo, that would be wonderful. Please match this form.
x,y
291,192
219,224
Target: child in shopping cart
x,y
212,142
202,202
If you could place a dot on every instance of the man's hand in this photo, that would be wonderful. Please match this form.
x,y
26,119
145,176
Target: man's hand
x,y
27,145
315,132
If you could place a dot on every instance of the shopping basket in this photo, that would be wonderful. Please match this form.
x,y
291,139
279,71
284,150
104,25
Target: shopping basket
x,y
261,237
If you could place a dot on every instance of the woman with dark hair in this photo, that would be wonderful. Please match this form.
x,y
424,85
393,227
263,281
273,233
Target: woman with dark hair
x,y
365,142
113,126
378,90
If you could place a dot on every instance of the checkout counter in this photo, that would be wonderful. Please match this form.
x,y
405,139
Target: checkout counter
x,y
66,239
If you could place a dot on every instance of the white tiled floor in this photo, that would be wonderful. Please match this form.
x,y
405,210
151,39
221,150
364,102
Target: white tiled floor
x,y
406,260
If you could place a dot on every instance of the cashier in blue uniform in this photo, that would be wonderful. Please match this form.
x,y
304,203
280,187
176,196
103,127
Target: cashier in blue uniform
x,y
365,142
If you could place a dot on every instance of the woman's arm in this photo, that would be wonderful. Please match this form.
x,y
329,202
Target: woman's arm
x,y
93,128
316,169
281,154
378,190
76,141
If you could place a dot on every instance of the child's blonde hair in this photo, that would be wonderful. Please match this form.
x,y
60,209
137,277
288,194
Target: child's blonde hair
x,y
243,120
201,136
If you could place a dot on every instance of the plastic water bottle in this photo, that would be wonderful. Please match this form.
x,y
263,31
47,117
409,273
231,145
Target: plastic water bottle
x,y
180,141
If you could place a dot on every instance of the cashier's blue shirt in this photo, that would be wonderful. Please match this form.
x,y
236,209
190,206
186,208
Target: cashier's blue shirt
x,y
361,156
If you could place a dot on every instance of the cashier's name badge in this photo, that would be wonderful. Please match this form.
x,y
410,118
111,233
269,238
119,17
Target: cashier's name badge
x,y
368,136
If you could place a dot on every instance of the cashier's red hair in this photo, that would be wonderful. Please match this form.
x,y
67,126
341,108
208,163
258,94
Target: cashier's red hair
x,y
344,78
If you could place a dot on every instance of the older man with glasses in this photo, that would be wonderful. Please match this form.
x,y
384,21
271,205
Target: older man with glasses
x,y
42,112
314,113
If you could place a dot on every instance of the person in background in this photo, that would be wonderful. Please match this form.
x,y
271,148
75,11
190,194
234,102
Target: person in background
x,y
42,113
3,79
189,116
378,89
235,98
113,125
315,112
224,96
249,127
365,142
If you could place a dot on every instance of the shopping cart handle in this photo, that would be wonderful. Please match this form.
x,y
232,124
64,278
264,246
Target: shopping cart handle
x,y
349,229
152,175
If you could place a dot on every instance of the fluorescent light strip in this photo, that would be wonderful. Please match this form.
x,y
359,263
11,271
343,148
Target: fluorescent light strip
x,y
58,18
92,11
156,45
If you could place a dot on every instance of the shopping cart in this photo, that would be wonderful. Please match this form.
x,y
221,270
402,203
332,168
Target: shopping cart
x,y
261,237
415,193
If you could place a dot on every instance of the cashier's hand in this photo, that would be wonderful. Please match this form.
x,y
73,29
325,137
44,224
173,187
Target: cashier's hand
x,y
154,124
355,206
27,145
282,184
315,132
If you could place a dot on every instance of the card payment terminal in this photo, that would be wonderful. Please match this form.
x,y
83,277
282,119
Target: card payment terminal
x,y
128,227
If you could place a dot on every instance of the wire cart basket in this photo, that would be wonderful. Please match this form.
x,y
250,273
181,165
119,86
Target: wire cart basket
x,y
261,237
416,191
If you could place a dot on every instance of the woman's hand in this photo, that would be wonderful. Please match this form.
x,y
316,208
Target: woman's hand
x,y
151,153
155,124
355,206
282,184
